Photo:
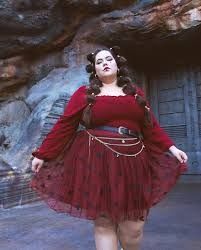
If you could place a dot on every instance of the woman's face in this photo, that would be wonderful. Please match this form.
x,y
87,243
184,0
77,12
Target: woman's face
x,y
105,65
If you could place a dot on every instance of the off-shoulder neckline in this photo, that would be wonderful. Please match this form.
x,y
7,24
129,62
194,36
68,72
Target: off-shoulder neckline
x,y
112,95
138,89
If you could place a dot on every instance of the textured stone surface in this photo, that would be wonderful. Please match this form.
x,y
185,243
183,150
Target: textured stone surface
x,y
145,24
13,71
29,25
40,99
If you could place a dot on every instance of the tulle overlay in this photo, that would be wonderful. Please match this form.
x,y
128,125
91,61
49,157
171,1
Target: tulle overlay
x,y
87,179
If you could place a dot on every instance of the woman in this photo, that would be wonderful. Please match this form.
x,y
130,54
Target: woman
x,y
116,168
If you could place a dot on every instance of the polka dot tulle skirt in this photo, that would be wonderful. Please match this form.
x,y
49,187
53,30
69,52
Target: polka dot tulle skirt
x,y
94,177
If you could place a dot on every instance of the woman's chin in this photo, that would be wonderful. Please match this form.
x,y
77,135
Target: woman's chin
x,y
107,74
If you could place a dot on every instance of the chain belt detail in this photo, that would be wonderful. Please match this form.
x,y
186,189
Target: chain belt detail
x,y
98,138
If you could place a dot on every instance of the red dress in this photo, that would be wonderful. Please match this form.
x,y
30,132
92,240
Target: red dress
x,y
82,177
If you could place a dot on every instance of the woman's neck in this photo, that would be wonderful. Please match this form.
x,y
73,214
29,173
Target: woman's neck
x,y
110,84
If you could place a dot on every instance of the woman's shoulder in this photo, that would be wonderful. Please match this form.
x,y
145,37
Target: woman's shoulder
x,y
80,91
82,88
78,98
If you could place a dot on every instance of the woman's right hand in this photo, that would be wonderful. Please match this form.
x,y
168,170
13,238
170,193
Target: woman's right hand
x,y
36,164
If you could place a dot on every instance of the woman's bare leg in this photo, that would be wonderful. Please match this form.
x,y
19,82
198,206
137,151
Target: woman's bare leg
x,y
105,233
130,234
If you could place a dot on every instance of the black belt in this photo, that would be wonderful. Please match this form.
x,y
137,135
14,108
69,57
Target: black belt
x,y
121,130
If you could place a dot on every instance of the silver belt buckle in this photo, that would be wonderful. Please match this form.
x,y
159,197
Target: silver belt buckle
x,y
119,130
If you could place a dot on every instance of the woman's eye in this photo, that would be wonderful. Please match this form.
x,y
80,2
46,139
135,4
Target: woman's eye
x,y
108,59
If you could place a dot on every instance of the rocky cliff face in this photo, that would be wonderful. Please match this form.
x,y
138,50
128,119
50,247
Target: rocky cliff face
x,y
42,55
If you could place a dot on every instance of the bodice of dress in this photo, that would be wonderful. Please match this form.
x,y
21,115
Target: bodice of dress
x,y
117,111
107,110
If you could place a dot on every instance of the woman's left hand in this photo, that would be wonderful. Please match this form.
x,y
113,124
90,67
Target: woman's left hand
x,y
179,154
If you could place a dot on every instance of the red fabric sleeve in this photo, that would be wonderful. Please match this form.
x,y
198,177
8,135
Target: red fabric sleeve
x,y
156,135
64,129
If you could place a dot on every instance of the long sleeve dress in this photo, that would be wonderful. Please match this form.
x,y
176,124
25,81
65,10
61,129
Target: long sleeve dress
x,y
85,177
